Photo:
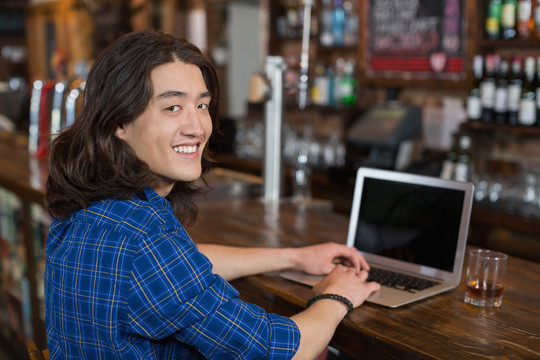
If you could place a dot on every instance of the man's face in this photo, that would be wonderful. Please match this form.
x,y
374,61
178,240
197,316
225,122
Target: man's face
x,y
171,133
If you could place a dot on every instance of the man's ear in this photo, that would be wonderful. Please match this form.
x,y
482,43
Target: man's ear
x,y
120,132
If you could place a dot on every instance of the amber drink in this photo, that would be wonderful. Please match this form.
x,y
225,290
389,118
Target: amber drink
x,y
485,275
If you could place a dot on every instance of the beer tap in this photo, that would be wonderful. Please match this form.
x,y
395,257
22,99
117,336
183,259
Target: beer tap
x,y
72,100
56,113
273,168
269,88
33,130
38,131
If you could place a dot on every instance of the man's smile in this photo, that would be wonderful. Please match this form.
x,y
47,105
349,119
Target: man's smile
x,y
185,149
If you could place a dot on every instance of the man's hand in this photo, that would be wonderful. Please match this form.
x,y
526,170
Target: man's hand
x,y
321,259
347,282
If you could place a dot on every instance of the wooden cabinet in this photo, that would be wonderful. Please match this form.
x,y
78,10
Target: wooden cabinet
x,y
57,28
69,28
13,57
23,227
332,49
506,215
499,152
515,46
506,212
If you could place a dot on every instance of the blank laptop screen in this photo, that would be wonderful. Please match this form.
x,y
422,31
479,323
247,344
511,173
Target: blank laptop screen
x,y
410,222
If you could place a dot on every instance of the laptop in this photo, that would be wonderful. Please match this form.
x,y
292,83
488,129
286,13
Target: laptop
x,y
410,226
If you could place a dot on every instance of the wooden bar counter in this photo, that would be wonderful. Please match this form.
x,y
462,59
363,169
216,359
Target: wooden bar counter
x,y
441,327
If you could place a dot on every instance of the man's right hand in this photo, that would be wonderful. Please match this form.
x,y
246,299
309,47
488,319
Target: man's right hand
x,y
347,282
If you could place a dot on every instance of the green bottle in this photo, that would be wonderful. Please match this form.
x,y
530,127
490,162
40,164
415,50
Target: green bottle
x,y
493,19
348,84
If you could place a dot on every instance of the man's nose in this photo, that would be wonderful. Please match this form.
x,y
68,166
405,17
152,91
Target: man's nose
x,y
193,124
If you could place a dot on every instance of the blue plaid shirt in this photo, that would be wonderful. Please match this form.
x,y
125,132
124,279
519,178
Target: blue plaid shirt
x,y
123,280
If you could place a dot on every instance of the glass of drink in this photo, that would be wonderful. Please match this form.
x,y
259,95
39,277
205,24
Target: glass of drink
x,y
485,274
302,175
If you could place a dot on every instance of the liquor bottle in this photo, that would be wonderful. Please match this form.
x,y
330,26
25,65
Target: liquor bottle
x,y
487,88
339,71
524,22
527,104
514,91
537,91
292,19
449,165
508,19
347,85
464,161
319,90
326,35
501,93
351,24
493,19
474,104
330,75
338,23
281,22
536,17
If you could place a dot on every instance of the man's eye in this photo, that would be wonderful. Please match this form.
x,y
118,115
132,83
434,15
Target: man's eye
x,y
173,108
203,106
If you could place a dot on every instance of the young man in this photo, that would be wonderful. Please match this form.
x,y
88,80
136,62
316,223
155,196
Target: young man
x,y
123,278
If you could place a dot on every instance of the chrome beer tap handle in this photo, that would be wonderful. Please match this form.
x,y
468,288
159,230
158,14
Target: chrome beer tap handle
x,y
56,113
44,118
33,130
71,103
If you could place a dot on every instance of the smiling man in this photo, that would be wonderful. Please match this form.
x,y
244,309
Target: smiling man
x,y
123,278
173,130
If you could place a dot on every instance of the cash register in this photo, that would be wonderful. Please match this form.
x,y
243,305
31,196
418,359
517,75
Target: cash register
x,y
387,133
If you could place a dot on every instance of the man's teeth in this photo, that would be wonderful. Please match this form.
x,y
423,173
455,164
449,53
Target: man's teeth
x,y
185,149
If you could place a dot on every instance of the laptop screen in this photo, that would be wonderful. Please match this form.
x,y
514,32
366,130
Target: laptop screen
x,y
410,222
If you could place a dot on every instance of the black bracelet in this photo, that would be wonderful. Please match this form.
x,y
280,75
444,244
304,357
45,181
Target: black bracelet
x,y
340,298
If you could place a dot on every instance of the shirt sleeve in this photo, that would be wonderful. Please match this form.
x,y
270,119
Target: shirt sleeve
x,y
175,293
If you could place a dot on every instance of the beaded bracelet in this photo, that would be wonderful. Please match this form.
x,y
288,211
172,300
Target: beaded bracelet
x,y
336,297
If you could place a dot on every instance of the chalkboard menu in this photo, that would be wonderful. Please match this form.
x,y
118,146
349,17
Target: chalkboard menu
x,y
415,39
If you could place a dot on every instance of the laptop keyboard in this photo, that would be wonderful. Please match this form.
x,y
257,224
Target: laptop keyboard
x,y
399,281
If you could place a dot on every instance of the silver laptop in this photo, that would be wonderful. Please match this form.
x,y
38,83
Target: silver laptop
x,y
412,230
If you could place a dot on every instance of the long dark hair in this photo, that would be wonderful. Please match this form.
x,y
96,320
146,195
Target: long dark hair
x,y
88,162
